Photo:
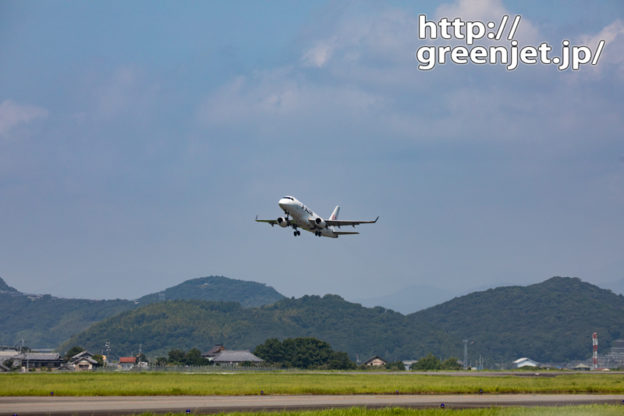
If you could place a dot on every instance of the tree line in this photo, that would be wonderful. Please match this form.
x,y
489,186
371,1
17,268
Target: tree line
x,y
304,353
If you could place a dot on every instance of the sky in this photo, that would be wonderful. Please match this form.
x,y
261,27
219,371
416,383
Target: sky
x,y
139,140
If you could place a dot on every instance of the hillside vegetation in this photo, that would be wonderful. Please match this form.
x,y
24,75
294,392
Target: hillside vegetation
x,y
46,321
162,326
218,288
549,321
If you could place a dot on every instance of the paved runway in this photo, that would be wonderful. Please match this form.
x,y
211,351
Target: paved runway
x,y
23,406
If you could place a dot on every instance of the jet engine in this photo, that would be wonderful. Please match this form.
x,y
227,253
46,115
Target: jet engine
x,y
320,223
283,222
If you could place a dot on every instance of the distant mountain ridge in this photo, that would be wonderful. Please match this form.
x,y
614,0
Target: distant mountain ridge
x,y
218,288
4,288
550,321
46,321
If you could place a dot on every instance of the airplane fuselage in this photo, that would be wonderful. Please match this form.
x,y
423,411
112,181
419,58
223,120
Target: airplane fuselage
x,y
297,215
304,218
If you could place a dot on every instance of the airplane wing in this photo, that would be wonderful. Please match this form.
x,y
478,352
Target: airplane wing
x,y
340,223
272,222
345,232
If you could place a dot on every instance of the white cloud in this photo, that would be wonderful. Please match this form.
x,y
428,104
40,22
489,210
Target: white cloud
x,y
318,55
472,9
613,52
13,115
125,92
359,77
490,11
278,104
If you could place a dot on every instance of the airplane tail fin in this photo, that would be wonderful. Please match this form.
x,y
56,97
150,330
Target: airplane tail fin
x,y
334,214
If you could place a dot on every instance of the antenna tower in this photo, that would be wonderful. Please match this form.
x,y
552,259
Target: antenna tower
x,y
595,346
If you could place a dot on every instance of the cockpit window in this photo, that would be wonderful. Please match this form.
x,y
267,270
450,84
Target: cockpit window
x,y
288,197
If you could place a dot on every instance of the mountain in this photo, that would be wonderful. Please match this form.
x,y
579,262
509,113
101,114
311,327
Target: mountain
x,y
162,326
4,288
46,321
218,288
550,322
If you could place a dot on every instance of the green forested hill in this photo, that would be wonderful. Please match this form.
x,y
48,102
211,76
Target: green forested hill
x,y
218,288
45,321
4,288
550,321
162,326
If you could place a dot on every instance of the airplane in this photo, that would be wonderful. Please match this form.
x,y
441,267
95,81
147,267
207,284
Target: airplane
x,y
306,219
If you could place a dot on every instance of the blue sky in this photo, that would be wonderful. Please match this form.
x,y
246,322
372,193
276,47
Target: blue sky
x,y
139,140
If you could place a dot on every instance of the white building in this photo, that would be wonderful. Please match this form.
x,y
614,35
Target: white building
x,y
525,362
233,357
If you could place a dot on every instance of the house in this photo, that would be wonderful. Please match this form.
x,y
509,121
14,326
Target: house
x,y
525,362
6,356
232,357
581,367
83,361
375,361
30,360
214,351
127,363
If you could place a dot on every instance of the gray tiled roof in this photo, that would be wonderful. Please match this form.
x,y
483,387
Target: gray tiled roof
x,y
87,359
39,356
8,353
81,354
227,356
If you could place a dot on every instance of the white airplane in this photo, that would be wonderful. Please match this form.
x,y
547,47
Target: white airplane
x,y
306,219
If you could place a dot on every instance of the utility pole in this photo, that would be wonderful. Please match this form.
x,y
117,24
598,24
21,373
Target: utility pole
x,y
595,350
465,354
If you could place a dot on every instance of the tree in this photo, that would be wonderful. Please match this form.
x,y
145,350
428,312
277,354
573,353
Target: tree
x,y
302,353
99,358
340,361
161,362
271,351
141,358
451,364
73,351
176,356
430,362
194,357
396,365
306,352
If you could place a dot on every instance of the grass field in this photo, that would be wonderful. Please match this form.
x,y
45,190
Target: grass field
x,y
593,410
150,383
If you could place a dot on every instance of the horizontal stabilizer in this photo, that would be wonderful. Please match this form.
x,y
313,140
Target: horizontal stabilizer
x,y
345,232
342,223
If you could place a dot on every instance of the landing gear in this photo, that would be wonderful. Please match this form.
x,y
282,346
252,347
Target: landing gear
x,y
297,233
317,233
